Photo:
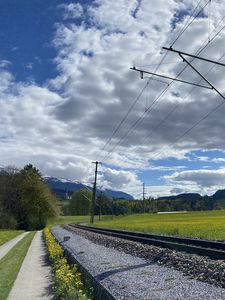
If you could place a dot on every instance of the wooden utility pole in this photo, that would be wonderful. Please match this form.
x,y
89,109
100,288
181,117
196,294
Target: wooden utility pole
x,y
143,197
94,193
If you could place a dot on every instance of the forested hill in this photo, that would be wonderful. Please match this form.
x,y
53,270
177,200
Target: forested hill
x,y
185,196
219,195
64,188
192,201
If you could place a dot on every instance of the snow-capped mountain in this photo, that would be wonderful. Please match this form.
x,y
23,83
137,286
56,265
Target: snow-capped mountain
x,y
64,188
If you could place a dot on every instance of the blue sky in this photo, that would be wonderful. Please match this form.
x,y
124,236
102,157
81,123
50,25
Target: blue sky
x,y
66,84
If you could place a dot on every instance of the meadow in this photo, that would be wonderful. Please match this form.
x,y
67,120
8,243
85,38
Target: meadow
x,y
67,219
207,224
6,235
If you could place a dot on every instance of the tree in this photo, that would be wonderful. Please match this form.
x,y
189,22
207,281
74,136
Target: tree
x,y
80,203
25,201
38,202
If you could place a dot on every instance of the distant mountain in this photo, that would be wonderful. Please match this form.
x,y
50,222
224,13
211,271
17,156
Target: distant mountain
x,y
64,188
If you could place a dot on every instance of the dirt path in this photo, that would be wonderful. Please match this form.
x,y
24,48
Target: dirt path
x,y
5,248
34,278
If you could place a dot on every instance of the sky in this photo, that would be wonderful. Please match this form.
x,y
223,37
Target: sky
x,y
68,96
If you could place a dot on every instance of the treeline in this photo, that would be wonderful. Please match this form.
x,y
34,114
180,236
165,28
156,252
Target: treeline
x,y
25,200
80,204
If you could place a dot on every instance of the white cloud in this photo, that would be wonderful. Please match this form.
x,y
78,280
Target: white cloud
x,y
202,180
72,10
62,125
118,179
218,160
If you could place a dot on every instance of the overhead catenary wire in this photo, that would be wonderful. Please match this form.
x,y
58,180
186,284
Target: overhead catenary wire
x,y
186,27
156,69
204,117
161,122
201,48
125,116
209,19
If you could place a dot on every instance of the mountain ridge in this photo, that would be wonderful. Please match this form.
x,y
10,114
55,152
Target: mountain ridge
x,y
64,188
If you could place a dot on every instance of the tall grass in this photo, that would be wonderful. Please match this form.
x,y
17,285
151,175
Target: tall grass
x,y
208,225
67,219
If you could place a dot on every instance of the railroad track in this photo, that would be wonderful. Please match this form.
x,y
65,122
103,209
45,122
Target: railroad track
x,y
212,249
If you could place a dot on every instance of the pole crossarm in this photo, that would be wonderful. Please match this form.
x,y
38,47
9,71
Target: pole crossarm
x,y
168,77
202,76
193,56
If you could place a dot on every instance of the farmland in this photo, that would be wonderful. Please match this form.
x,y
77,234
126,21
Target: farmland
x,y
208,225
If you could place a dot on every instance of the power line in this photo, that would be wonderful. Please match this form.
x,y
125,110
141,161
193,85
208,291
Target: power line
x,y
186,27
156,69
126,115
201,48
151,65
177,105
203,117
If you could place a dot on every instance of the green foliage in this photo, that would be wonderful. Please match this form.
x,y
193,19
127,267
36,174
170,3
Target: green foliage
x,y
25,201
80,203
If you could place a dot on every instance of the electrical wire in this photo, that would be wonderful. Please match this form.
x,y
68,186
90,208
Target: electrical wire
x,y
201,48
186,27
203,117
140,94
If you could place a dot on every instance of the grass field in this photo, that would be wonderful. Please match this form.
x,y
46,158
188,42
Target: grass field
x,y
10,265
67,219
6,235
209,225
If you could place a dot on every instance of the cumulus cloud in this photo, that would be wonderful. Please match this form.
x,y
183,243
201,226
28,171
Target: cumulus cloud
x,y
71,10
73,115
203,179
118,179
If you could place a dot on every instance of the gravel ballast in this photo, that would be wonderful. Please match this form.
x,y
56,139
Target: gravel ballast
x,y
194,266
132,277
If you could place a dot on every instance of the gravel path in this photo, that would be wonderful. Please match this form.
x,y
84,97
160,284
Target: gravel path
x,y
5,248
128,277
34,278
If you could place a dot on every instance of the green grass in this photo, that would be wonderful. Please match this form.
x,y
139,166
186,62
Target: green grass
x,y
11,263
6,235
67,219
209,225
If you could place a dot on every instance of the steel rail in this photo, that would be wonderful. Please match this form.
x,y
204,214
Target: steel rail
x,y
212,249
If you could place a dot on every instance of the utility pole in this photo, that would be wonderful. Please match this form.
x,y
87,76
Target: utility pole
x,y
94,193
99,206
143,197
